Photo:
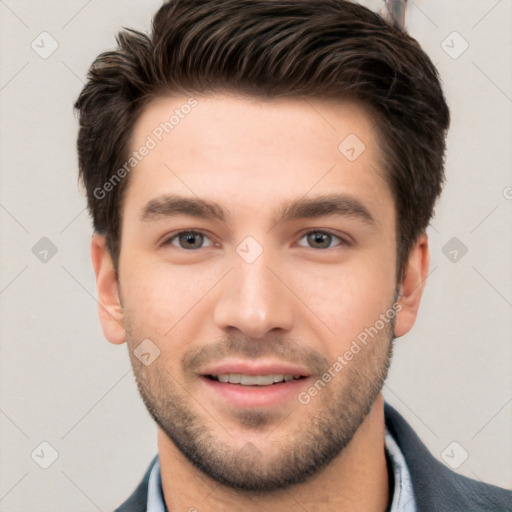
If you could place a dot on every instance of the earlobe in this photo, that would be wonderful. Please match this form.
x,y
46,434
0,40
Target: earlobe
x,y
412,285
109,305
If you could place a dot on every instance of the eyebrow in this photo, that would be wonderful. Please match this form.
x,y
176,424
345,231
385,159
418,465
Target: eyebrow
x,y
172,205
318,206
325,205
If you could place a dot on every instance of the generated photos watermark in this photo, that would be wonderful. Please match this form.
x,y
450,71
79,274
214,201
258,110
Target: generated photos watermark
x,y
152,140
344,359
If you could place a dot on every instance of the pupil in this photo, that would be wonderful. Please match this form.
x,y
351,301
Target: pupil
x,y
190,238
321,239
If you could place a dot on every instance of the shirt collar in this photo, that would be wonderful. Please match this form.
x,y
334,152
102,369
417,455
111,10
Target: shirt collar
x,y
403,494
155,501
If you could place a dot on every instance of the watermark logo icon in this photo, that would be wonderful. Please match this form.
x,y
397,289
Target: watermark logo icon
x,y
454,249
44,45
351,147
44,455
249,453
454,455
454,45
249,249
44,250
146,352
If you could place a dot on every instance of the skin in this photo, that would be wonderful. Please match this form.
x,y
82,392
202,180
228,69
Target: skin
x,y
297,302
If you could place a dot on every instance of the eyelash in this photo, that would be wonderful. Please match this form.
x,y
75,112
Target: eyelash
x,y
342,241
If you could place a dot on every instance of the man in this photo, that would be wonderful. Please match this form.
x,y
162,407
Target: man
x,y
260,176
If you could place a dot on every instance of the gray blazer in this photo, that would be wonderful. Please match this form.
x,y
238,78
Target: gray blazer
x,y
436,487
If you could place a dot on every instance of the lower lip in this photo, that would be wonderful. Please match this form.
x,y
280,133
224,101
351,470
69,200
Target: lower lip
x,y
255,396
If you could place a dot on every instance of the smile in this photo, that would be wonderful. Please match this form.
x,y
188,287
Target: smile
x,y
253,380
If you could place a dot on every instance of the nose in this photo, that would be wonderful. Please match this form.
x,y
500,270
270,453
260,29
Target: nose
x,y
254,299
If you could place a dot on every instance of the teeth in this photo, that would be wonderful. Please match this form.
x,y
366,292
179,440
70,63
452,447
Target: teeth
x,y
254,380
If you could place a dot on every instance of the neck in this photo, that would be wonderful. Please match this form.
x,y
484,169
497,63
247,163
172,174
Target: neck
x,y
355,480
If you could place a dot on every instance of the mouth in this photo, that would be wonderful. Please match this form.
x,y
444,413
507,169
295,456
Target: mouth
x,y
254,380
249,384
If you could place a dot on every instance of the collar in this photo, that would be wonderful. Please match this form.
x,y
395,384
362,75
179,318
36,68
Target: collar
x,y
155,501
403,494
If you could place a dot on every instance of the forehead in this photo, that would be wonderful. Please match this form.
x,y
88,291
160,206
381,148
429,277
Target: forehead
x,y
238,149
320,122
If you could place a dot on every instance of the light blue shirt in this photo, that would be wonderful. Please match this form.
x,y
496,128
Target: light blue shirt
x,y
155,493
403,494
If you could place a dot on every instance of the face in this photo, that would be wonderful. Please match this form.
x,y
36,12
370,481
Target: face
x,y
256,252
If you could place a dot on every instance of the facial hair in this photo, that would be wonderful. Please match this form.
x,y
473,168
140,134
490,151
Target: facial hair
x,y
332,416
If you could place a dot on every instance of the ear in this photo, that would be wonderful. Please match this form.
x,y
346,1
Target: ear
x,y
412,285
109,306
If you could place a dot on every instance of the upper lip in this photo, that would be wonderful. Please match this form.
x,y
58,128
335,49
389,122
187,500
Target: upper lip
x,y
255,368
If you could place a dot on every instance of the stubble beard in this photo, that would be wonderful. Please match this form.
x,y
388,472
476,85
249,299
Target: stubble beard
x,y
331,420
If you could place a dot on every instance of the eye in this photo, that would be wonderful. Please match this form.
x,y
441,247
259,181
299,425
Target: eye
x,y
188,240
321,239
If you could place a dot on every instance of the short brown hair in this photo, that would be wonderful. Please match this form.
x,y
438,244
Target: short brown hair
x,y
268,48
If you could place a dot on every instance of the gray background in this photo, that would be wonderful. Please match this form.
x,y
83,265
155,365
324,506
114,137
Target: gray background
x,y
63,383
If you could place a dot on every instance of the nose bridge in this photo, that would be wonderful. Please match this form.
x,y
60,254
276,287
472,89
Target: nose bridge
x,y
252,299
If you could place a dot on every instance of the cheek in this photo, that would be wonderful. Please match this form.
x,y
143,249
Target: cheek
x,y
161,299
348,297
149,303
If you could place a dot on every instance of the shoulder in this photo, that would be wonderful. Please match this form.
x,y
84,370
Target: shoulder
x,y
436,487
